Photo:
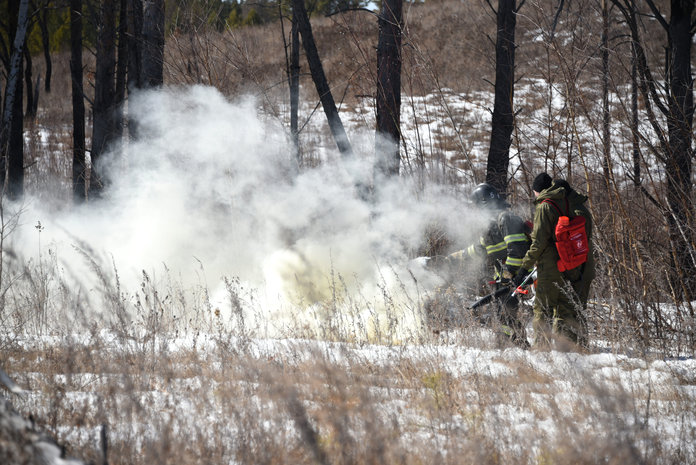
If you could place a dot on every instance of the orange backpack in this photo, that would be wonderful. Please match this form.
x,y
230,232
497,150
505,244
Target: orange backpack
x,y
571,239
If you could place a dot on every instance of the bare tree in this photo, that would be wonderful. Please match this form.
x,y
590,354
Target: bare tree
x,y
675,143
319,78
606,120
104,129
30,111
79,170
11,140
153,43
292,70
122,52
389,88
502,123
135,28
294,73
45,42
635,137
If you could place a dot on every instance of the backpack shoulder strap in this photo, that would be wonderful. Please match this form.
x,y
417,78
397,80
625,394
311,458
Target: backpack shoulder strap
x,y
560,213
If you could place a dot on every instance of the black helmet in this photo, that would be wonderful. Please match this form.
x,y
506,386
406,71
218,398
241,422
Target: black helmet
x,y
485,195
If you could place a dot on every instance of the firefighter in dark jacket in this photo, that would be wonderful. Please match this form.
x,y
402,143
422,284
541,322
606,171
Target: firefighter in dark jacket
x,y
502,246
560,296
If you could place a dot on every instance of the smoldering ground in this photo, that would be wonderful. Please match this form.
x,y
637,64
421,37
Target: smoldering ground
x,y
210,189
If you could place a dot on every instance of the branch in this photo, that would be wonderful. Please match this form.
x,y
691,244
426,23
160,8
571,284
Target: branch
x,y
345,10
555,19
658,16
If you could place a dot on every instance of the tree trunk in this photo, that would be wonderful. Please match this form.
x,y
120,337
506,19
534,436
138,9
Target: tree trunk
x,y
679,156
295,85
29,113
135,31
634,106
11,140
45,41
606,138
78,103
388,134
122,53
503,117
153,43
104,127
319,78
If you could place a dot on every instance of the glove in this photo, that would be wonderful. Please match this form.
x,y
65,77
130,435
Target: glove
x,y
519,277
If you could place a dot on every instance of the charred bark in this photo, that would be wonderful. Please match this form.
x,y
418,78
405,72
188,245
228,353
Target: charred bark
x,y
122,52
388,135
11,140
79,171
317,71
104,129
135,29
634,107
153,43
502,123
679,156
606,133
295,85
45,42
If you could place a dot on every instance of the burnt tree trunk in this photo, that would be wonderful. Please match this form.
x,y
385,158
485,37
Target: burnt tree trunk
x,y
11,140
79,171
28,84
606,134
634,106
317,71
45,42
122,52
153,43
502,124
104,129
679,156
135,29
388,134
295,85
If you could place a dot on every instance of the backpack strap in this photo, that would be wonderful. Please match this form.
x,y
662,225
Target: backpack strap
x,y
551,202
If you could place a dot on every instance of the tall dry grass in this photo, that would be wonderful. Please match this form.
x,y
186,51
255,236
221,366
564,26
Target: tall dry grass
x,y
214,395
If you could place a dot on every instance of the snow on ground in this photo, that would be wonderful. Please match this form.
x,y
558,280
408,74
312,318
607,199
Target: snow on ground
x,y
433,393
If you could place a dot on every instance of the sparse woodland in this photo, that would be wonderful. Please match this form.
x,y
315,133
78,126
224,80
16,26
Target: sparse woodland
x,y
162,372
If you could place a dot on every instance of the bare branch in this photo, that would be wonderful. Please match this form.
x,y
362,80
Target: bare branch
x,y
657,15
555,19
345,10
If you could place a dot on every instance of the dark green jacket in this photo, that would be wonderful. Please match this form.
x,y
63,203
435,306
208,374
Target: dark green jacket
x,y
543,251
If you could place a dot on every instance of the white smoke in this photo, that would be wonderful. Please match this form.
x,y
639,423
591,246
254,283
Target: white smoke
x,y
214,184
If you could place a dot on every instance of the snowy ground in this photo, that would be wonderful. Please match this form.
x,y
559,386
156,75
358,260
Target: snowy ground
x,y
431,399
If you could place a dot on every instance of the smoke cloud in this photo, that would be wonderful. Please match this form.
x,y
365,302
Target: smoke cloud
x,y
211,187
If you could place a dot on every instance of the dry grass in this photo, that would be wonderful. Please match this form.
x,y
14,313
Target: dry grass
x,y
303,402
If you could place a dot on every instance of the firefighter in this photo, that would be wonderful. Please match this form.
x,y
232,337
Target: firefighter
x,y
502,245
560,296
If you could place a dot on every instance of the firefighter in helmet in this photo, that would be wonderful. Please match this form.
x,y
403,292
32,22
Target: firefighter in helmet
x,y
502,245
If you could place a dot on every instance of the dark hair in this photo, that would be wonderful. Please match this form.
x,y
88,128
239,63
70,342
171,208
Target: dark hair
x,y
541,182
